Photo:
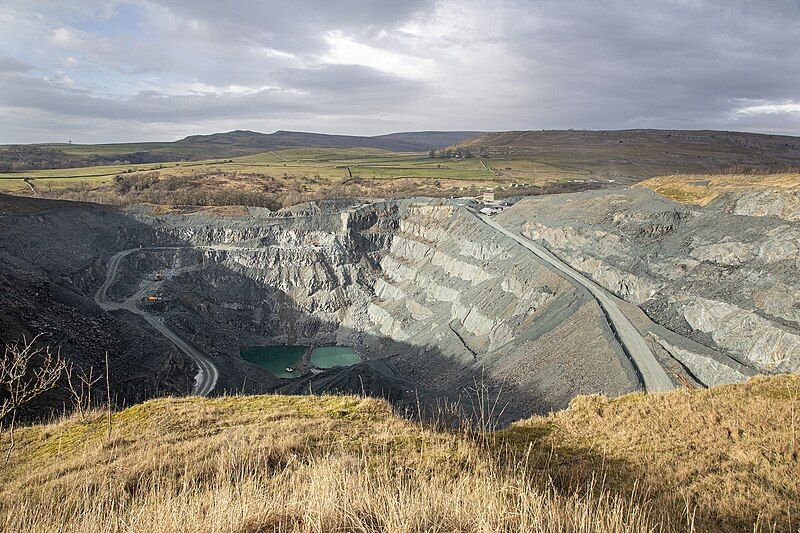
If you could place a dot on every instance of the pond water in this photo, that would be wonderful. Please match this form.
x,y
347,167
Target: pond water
x,y
275,359
331,356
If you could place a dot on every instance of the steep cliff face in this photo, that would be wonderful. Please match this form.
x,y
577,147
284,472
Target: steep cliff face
x,y
302,278
451,282
431,298
436,302
725,275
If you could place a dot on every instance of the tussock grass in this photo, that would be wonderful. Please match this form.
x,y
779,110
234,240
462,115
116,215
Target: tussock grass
x,y
701,189
724,459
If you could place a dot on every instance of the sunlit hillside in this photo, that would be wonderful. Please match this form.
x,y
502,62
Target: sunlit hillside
x,y
701,189
722,459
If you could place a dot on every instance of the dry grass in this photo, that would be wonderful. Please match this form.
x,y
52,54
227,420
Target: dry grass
x,y
257,189
701,189
286,177
729,452
723,459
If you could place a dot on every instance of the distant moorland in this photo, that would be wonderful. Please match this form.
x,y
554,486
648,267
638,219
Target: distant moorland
x,y
283,168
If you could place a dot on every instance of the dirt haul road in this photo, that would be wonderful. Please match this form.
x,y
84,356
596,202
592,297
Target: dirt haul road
x,y
653,375
207,373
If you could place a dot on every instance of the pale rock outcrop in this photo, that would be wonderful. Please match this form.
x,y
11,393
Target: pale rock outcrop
x,y
460,269
478,323
727,273
417,310
779,300
501,335
766,345
784,204
703,367
410,250
385,323
781,244
725,253
387,291
570,244
628,286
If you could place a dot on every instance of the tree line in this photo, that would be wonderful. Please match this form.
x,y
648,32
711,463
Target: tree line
x,y
448,153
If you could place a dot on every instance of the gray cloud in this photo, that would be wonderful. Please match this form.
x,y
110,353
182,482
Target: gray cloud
x,y
147,68
661,63
296,26
9,65
364,85
312,91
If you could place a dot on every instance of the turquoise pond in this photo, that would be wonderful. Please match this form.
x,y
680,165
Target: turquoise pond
x,y
331,356
276,359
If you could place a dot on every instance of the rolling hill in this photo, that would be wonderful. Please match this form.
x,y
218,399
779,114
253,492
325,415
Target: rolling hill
x,y
633,155
246,142
216,145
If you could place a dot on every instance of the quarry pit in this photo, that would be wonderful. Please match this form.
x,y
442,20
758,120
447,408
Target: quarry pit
x,y
420,301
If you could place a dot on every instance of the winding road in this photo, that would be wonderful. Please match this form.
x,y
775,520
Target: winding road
x,y
654,377
207,374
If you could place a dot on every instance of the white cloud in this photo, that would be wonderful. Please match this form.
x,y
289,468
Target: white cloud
x,y
770,109
344,50
67,38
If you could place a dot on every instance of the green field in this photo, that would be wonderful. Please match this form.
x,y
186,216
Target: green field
x,y
362,162
99,175
300,160
318,163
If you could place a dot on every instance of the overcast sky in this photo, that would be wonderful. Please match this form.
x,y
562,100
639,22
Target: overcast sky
x,y
103,71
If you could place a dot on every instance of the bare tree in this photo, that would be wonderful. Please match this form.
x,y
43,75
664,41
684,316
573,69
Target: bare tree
x,y
108,397
26,372
79,385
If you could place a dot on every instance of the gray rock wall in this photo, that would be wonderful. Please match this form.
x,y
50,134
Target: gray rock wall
x,y
427,294
725,275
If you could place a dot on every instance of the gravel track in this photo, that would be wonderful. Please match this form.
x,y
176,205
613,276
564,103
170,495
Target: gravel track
x,y
207,373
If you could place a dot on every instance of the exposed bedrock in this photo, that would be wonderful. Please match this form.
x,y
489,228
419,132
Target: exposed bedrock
x,y
726,275
783,204
435,301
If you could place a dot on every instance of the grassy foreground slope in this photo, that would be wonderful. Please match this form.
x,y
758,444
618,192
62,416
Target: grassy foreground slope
x,y
724,459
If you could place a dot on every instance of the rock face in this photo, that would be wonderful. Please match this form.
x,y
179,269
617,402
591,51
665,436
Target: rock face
x,y
433,300
726,275
770,347
441,307
783,204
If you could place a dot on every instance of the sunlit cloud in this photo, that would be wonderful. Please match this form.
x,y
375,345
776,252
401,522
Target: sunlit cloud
x,y
770,109
343,50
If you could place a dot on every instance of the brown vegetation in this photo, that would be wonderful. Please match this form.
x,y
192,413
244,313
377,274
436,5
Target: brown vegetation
x,y
26,372
20,158
701,189
224,188
633,155
724,459
210,188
